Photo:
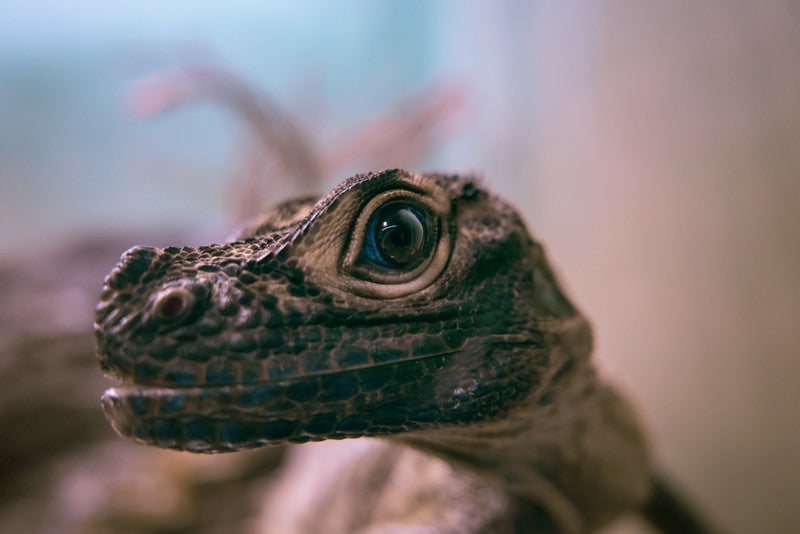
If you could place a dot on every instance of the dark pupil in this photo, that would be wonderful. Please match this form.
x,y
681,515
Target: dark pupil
x,y
399,235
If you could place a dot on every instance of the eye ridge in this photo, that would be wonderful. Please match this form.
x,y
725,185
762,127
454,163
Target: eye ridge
x,y
398,236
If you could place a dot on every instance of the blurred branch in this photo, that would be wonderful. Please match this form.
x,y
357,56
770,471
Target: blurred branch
x,y
278,153
407,132
276,134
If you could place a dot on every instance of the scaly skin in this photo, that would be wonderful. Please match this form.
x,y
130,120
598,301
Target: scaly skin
x,y
454,339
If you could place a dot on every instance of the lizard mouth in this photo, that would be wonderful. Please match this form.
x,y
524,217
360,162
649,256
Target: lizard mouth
x,y
375,400
203,419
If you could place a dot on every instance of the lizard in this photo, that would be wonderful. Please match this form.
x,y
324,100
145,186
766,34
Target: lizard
x,y
416,308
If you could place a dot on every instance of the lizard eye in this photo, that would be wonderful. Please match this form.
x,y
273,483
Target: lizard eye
x,y
398,236
399,243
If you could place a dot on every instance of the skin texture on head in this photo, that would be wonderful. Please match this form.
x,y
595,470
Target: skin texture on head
x,y
304,317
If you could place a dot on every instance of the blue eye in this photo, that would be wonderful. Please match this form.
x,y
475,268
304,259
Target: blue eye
x,y
398,236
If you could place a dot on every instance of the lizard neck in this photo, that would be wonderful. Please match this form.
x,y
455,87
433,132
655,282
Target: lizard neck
x,y
575,448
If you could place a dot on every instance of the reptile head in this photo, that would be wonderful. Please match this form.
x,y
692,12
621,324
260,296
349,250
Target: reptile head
x,y
397,302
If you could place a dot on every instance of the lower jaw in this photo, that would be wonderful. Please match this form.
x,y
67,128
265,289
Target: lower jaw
x,y
220,419
366,402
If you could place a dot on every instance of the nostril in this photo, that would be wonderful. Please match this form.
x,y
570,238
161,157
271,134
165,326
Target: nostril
x,y
173,303
172,306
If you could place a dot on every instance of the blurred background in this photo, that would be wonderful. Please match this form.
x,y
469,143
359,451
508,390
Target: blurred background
x,y
654,148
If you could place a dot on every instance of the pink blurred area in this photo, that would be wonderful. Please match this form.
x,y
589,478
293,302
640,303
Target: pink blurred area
x,y
665,160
